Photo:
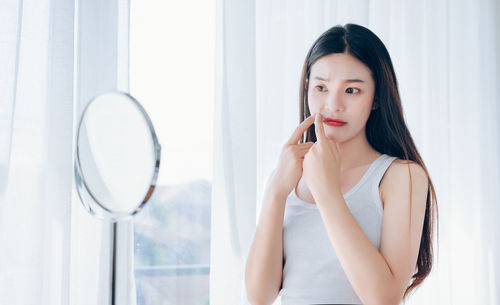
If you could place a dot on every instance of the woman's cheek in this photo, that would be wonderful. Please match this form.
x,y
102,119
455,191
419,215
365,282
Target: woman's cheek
x,y
314,103
366,108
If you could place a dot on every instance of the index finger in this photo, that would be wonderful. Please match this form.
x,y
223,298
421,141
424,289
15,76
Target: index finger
x,y
319,128
297,134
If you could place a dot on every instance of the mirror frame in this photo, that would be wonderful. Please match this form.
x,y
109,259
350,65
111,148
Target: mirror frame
x,y
84,191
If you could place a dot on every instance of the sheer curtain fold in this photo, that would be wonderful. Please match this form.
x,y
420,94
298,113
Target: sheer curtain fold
x,y
53,61
10,32
233,195
34,222
102,52
446,59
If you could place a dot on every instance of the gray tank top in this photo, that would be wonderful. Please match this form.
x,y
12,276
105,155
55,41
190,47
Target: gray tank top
x,y
312,273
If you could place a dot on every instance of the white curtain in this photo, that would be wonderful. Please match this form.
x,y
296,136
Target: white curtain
x,y
445,54
36,122
55,55
102,52
234,168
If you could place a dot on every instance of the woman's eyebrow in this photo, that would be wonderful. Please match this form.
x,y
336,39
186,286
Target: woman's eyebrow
x,y
355,80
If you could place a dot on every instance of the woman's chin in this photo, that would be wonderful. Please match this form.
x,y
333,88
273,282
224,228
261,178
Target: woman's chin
x,y
333,138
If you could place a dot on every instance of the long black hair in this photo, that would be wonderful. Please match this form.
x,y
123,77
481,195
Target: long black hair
x,y
386,129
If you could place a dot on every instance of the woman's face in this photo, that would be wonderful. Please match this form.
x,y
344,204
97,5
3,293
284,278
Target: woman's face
x,y
341,87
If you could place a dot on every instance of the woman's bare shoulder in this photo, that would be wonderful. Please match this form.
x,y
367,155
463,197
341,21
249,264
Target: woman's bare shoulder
x,y
398,175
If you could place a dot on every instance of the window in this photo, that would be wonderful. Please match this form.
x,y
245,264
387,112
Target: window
x,y
171,74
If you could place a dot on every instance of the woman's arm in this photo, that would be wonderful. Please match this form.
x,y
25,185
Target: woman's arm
x,y
380,277
265,260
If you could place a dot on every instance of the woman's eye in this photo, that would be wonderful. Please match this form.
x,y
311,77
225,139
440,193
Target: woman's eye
x,y
348,90
317,87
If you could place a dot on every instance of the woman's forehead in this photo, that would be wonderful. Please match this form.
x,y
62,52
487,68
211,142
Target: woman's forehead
x,y
339,66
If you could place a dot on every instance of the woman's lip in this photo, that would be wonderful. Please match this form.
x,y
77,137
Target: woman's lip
x,y
334,123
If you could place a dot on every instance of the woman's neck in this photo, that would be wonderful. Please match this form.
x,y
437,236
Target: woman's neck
x,y
356,152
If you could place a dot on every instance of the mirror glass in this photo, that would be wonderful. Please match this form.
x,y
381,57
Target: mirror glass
x,y
117,156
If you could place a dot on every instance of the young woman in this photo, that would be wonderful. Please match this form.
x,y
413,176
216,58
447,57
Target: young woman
x,y
348,214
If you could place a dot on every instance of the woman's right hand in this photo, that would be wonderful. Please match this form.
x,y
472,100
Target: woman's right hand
x,y
289,170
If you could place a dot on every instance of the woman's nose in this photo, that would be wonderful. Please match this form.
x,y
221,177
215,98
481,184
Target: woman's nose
x,y
334,103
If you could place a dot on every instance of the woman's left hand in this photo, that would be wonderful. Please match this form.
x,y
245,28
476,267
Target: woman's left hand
x,y
321,165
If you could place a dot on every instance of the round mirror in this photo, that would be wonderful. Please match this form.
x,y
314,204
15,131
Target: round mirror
x,y
117,156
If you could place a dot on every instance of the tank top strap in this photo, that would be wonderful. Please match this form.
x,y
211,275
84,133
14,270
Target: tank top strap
x,y
372,176
381,167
